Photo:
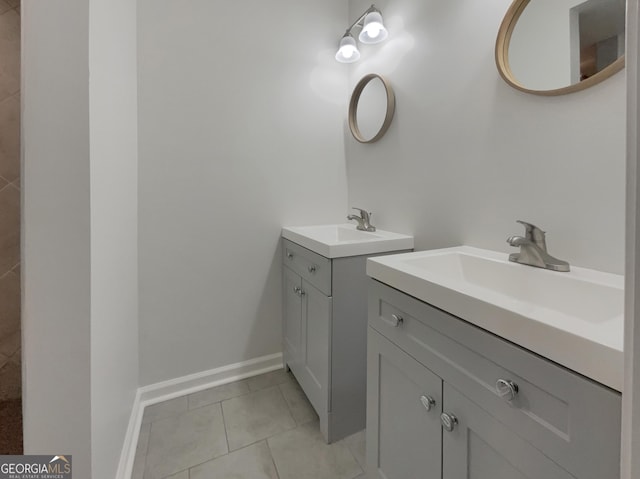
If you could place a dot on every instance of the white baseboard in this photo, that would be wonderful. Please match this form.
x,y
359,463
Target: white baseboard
x,y
163,391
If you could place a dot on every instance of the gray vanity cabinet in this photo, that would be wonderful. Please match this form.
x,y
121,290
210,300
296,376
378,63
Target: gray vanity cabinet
x,y
404,403
307,319
551,424
481,447
325,335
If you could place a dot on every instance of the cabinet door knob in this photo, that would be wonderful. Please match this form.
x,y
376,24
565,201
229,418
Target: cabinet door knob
x,y
296,290
396,320
312,269
289,255
506,389
428,402
302,292
449,421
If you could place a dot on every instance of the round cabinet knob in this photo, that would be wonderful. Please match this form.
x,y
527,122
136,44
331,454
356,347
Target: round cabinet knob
x,y
289,255
396,320
506,389
428,402
449,421
296,290
302,292
312,269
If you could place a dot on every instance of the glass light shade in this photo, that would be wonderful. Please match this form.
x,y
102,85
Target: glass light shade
x,y
373,30
348,51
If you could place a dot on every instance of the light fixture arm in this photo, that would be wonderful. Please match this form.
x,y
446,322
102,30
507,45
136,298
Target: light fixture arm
x,y
360,20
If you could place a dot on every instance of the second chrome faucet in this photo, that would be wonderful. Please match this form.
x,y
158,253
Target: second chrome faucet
x,y
364,220
533,249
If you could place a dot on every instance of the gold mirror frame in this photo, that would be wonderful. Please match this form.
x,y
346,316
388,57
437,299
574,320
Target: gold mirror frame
x,y
353,108
502,57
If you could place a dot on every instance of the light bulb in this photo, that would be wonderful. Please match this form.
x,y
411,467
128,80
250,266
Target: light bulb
x,y
373,30
348,51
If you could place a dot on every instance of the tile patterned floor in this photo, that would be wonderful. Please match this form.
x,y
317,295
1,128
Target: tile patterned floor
x,y
258,428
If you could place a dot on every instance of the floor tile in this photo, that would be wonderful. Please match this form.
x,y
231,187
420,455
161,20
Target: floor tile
x,y
164,409
298,403
357,445
302,454
217,394
141,452
267,380
188,439
252,462
180,475
256,416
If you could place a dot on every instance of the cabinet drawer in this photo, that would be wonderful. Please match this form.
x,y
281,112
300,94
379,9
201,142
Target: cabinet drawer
x,y
569,418
312,267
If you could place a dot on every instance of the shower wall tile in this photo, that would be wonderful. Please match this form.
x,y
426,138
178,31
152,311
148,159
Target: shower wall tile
x,y
9,53
10,330
10,138
4,6
9,312
9,228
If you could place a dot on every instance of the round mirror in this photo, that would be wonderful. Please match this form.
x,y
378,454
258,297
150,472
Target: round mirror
x,y
371,108
553,47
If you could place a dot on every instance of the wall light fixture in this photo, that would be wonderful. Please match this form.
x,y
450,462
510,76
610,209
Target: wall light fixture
x,y
373,31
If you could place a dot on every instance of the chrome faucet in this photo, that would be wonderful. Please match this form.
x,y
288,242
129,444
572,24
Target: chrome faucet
x,y
533,249
364,220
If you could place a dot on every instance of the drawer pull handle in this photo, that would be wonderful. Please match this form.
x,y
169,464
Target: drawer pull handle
x,y
428,402
449,421
396,320
312,269
506,389
289,255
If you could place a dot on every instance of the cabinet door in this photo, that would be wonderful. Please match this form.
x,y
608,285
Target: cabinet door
x,y
316,351
292,319
404,438
481,447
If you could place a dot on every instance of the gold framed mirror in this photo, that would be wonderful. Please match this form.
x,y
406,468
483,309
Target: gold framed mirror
x,y
371,108
555,47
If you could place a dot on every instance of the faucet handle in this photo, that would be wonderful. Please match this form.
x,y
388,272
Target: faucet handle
x,y
364,214
533,233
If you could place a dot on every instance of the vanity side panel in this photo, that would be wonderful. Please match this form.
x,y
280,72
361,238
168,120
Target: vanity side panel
x,y
349,345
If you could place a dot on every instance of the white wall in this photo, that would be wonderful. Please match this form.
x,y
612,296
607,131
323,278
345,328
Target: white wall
x,y
114,216
466,155
56,230
241,113
79,230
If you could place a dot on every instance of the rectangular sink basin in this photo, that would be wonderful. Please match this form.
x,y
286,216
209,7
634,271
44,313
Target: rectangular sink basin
x,y
574,318
340,240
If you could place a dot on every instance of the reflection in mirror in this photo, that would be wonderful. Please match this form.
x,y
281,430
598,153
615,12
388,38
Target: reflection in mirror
x,y
559,46
371,108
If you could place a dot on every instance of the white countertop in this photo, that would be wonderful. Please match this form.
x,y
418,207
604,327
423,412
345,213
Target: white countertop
x,y
573,318
340,240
